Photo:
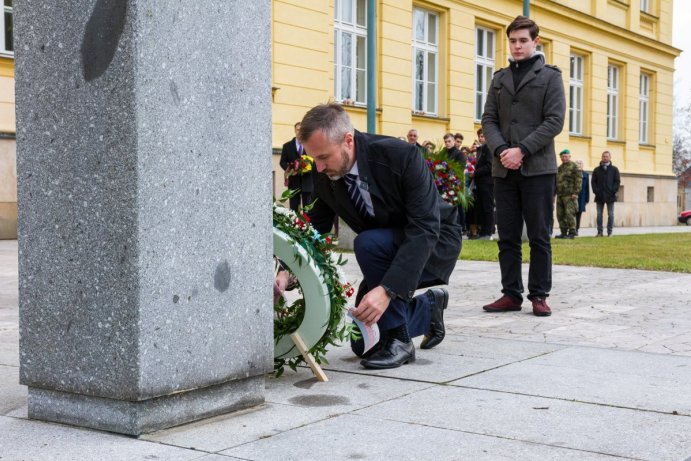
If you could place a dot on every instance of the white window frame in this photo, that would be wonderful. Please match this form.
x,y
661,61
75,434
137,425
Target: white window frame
x,y
349,28
576,88
644,109
3,45
484,68
645,6
613,85
429,48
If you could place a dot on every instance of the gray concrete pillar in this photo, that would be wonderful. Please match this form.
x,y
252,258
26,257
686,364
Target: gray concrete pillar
x,y
144,140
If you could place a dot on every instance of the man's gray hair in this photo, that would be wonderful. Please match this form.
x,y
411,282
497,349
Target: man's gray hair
x,y
331,118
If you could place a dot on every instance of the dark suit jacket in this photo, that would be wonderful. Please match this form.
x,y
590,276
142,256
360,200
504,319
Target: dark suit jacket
x,y
404,197
483,167
289,153
605,183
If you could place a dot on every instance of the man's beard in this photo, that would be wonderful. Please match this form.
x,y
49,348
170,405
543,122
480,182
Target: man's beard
x,y
336,175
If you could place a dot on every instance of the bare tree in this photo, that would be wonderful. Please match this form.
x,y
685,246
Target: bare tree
x,y
681,140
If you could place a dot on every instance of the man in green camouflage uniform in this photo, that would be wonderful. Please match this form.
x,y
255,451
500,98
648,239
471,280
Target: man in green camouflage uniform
x,y
569,179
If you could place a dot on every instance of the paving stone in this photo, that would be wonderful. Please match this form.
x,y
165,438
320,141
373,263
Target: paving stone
x,y
622,378
358,437
12,394
9,347
34,440
597,428
344,392
430,365
234,429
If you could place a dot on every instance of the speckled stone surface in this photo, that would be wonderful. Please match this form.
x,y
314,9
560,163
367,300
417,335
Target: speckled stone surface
x,y
144,253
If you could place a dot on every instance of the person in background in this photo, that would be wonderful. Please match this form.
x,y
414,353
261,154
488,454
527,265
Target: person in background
x,y
453,152
484,188
458,137
428,146
583,195
605,183
291,153
569,182
412,138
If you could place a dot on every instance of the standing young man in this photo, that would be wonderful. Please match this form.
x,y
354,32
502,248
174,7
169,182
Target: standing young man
x,y
408,237
605,184
524,112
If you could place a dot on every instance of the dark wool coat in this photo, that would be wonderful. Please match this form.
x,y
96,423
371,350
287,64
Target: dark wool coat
x,y
605,183
529,117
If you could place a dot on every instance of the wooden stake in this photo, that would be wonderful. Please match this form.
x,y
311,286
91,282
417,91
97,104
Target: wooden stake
x,y
316,369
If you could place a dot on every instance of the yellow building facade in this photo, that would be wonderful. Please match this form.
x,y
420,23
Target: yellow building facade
x,y
433,64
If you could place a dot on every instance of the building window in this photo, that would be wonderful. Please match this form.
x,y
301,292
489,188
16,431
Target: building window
x,y
8,29
425,61
612,102
576,95
644,105
350,51
645,6
484,67
651,194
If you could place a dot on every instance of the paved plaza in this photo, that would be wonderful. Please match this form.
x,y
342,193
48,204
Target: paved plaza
x,y
606,377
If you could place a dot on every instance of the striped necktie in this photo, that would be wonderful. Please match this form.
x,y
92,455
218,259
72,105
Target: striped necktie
x,y
355,195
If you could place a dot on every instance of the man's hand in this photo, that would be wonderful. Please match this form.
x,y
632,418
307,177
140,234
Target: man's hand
x,y
512,158
372,306
574,196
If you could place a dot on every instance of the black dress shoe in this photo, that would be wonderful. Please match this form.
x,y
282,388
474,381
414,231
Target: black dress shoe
x,y
436,332
393,354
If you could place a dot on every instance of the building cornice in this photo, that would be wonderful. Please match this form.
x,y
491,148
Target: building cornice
x,y
604,26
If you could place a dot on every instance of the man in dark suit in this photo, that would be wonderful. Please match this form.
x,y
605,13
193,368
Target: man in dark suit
x,y
408,237
290,153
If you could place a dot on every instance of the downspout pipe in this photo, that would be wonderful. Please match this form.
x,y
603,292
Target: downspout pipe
x,y
526,8
371,66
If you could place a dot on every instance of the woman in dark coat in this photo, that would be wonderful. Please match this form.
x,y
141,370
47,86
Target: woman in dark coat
x,y
583,195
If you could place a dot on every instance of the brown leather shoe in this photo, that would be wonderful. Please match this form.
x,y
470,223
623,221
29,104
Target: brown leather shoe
x,y
504,304
540,307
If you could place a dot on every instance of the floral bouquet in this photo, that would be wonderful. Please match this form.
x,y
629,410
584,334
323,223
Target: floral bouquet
x,y
449,177
300,166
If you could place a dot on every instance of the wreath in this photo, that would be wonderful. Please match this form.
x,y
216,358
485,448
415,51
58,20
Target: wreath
x,y
316,249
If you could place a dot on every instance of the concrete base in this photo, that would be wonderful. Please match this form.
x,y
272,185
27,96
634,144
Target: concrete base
x,y
135,418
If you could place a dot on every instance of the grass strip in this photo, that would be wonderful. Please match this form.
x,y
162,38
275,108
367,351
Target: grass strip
x,y
655,252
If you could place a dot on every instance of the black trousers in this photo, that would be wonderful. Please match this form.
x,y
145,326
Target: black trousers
x,y
520,198
484,204
375,249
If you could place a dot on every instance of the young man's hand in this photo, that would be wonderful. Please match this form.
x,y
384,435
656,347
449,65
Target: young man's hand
x,y
512,158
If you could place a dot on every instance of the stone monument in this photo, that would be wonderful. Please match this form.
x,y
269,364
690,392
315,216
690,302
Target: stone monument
x,y
145,242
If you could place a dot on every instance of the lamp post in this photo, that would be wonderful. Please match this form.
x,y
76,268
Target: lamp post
x,y
371,64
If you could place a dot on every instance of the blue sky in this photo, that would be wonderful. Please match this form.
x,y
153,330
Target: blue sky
x,y
682,39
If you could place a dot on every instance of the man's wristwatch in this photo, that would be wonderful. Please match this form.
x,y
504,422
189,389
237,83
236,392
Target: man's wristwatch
x,y
392,294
